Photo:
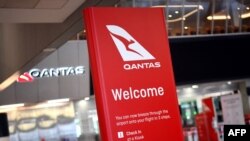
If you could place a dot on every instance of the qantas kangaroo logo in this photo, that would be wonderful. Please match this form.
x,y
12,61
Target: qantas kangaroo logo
x,y
128,47
26,77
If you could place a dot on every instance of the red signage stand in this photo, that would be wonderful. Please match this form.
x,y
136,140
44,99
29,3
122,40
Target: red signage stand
x,y
132,74
204,121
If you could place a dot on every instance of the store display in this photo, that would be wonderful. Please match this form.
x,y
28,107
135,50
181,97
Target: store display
x,y
44,122
48,128
13,131
66,128
27,129
232,109
189,110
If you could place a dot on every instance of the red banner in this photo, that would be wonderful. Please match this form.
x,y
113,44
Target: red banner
x,y
132,74
205,121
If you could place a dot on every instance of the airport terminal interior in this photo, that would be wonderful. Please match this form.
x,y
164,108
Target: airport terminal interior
x,y
208,42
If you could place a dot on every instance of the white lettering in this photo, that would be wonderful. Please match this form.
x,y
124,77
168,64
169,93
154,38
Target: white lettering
x,y
123,94
237,131
117,94
63,70
55,72
35,73
79,70
126,66
146,65
243,131
231,132
44,73
70,71
136,94
143,93
126,95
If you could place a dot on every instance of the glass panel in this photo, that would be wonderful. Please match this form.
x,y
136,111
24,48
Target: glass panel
x,y
196,17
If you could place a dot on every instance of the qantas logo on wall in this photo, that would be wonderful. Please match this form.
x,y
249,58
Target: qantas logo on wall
x,y
130,49
26,77
50,72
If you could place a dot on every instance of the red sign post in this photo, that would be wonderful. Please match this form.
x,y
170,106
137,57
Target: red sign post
x,y
205,120
132,74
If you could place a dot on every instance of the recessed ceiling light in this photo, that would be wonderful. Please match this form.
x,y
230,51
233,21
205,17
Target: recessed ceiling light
x,y
170,16
176,12
219,17
12,106
188,89
59,100
229,82
195,86
86,98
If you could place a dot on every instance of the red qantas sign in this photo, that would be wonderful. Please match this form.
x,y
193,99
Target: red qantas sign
x,y
128,47
50,72
26,77
132,73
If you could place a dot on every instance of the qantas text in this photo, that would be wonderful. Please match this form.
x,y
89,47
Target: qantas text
x,y
147,65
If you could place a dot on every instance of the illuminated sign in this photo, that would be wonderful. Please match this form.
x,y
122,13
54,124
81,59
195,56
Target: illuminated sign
x,y
132,74
50,72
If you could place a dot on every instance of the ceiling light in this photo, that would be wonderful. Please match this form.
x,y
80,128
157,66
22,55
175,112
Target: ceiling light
x,y
224,17
245,15
58,100
238,8
12,106
180,6
185,27
188,95
200,7
195,86
218,17
159,6
86,98
188,89
170,16
229,82
247,8
196,9
48,105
